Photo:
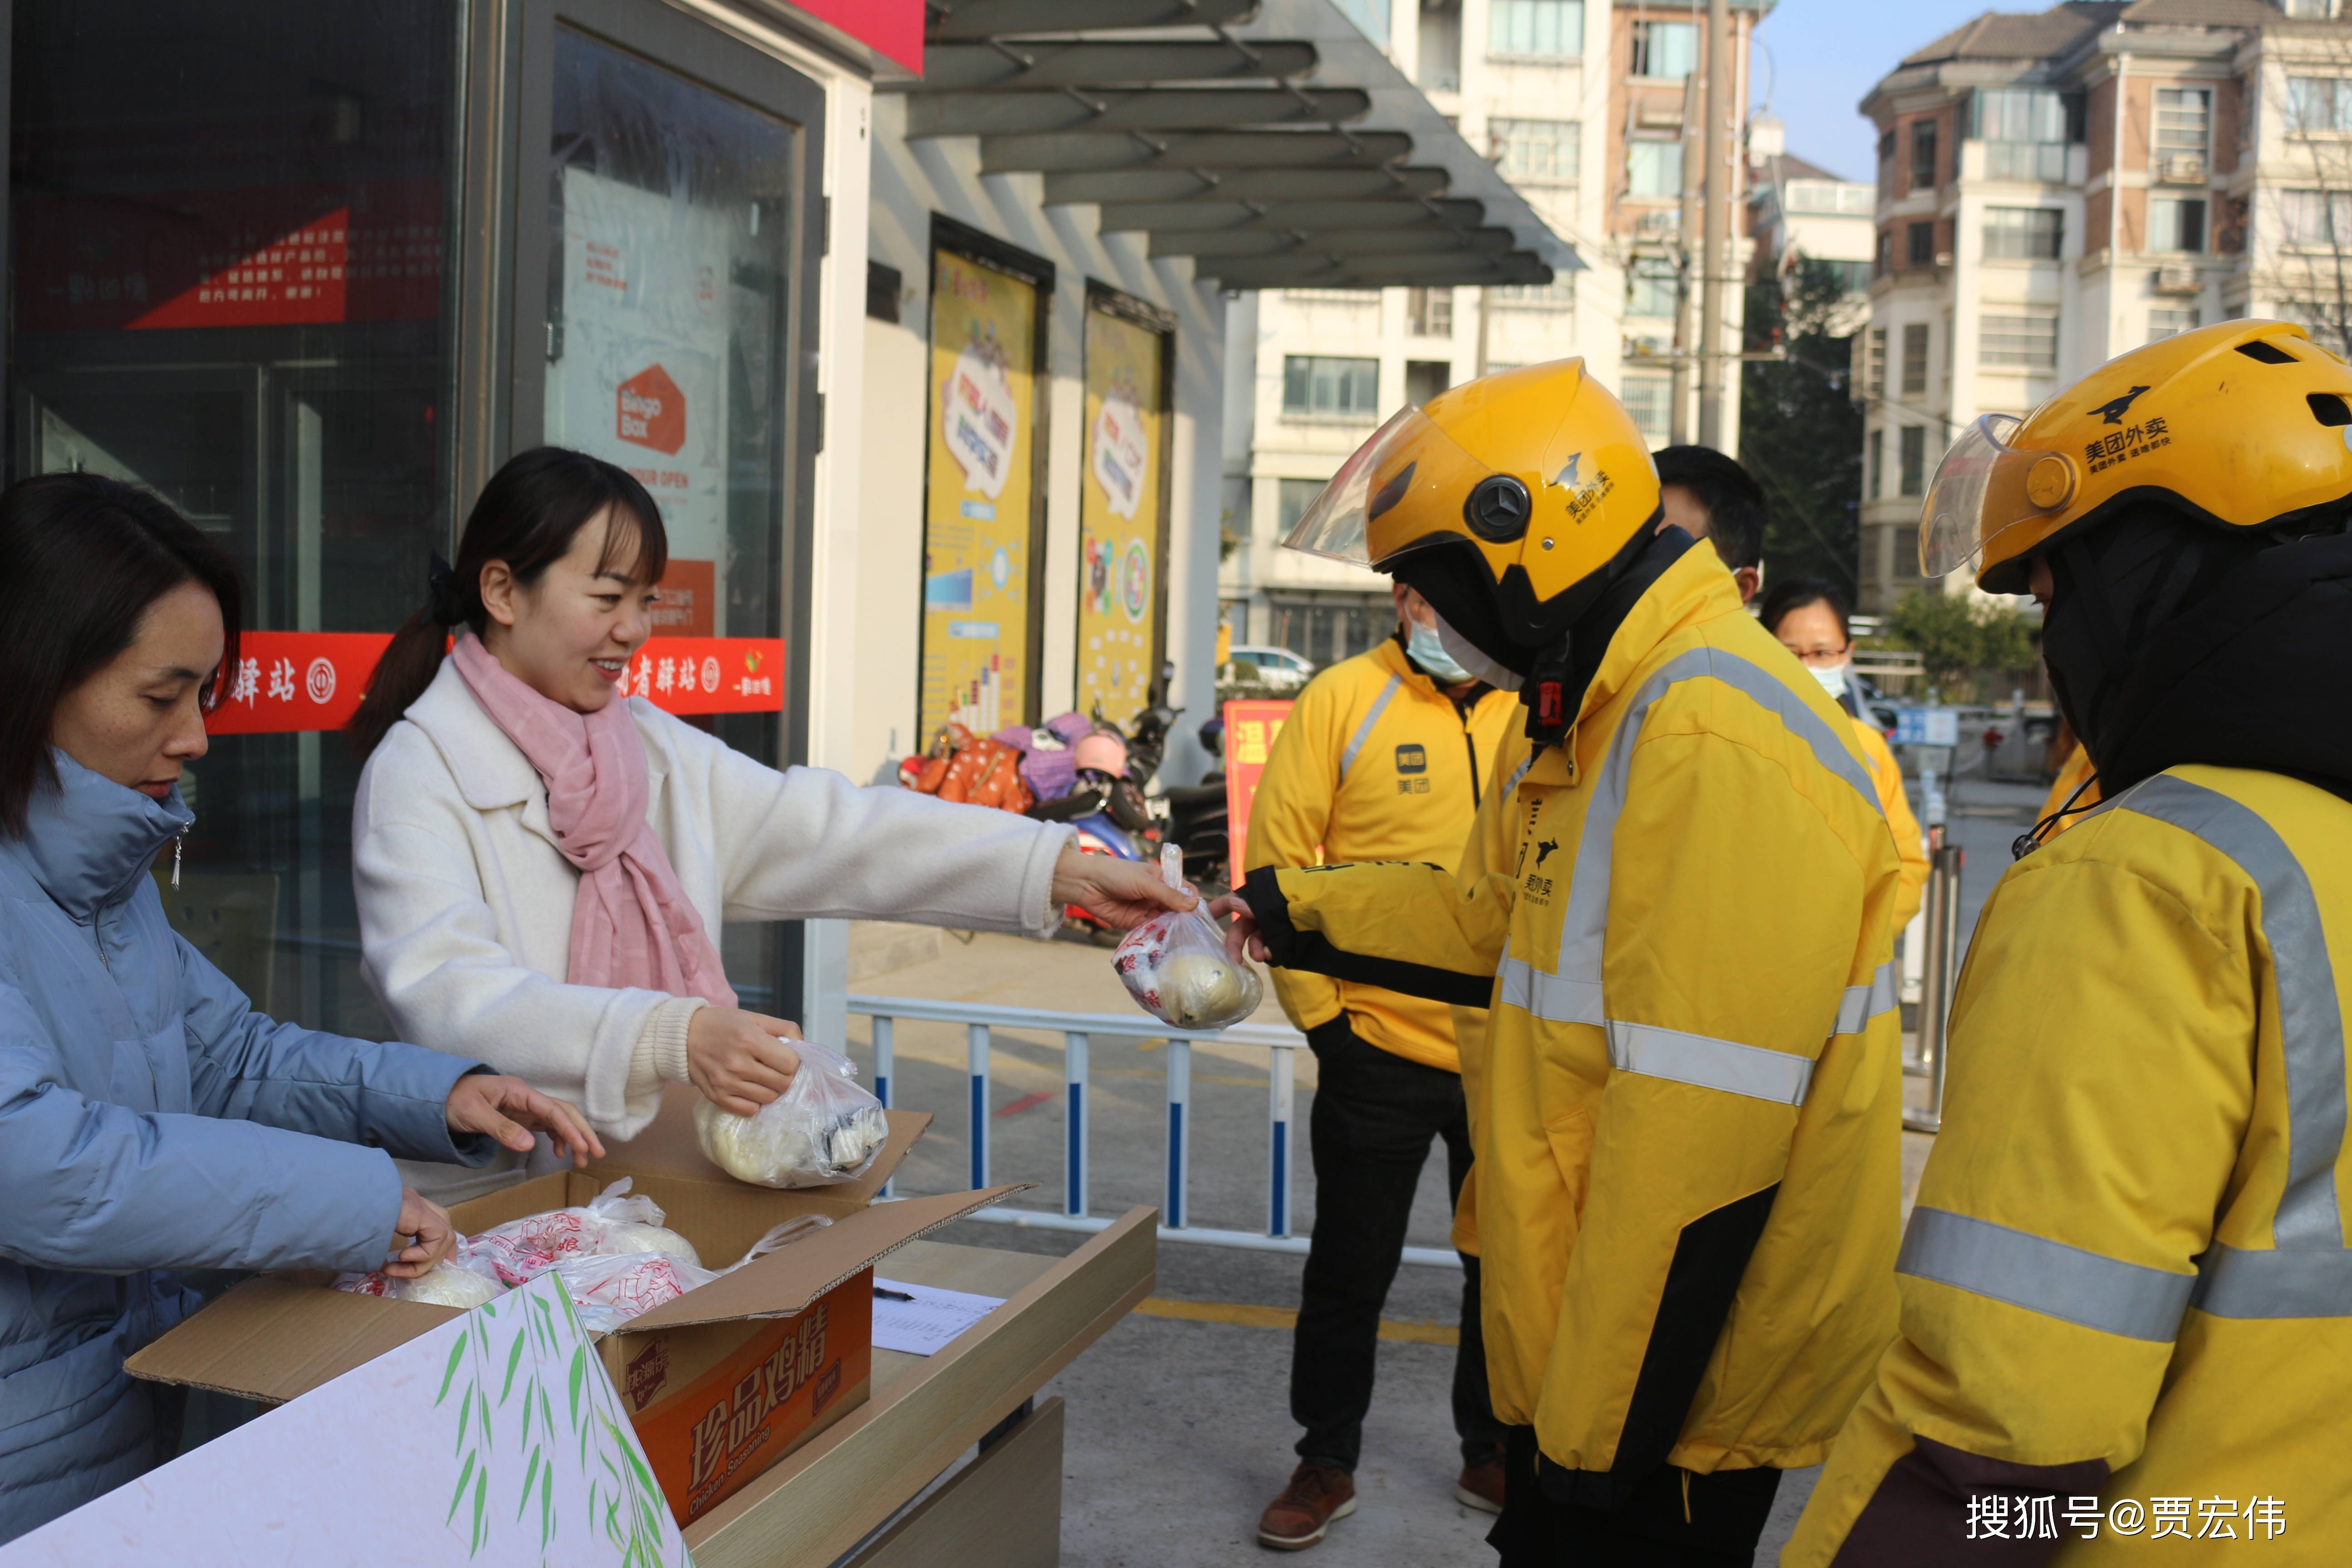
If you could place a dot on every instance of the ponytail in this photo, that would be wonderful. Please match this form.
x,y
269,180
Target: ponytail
x,y
527,516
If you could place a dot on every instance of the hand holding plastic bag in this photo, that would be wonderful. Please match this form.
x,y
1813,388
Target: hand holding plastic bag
x,y
465,1279
1176,967
822,1131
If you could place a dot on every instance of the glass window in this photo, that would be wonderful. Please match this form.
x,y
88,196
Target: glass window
x,y
2023,234
2166,324
1544,29
1920,244
1649,400
1292,498
2182,116
1653,168
2318,103
1914,460
2026,131
1873,446
1370,16
1320,383
1536,151
1922,154
1668,50
2027,340
1559,294
2176,224
1905,540
226,244
1428,312
1653,285
2315,217
1875,370
1853,277
1914,358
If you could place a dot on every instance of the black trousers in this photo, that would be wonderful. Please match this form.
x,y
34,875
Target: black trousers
x,y
1374,1117
1673,1520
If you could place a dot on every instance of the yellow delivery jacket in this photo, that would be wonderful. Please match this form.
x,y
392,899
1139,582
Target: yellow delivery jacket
x,y
1375,764
2126,1278
1685,1104
1910,846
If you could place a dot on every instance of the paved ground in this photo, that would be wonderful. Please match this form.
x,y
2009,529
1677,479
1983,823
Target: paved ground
x,y
1179,1430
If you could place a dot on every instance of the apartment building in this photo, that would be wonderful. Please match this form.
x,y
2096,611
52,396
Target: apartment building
x,y
1592,112
2056,188
1798,211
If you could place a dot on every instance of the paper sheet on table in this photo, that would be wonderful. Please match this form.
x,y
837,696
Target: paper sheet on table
x,y
925,1325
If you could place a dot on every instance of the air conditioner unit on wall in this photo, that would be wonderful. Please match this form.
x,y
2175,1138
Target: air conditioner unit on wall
x,y
2182,169
2177,279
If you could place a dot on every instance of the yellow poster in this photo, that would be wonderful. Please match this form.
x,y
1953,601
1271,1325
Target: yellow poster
x,y
1120,518
976,657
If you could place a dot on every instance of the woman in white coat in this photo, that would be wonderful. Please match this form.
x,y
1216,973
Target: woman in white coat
x,y
542,862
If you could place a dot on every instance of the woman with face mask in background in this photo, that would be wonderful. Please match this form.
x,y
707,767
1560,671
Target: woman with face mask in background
x,y
1809,616
542,863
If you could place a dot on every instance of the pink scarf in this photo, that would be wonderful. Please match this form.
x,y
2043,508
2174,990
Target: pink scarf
x,y
632,923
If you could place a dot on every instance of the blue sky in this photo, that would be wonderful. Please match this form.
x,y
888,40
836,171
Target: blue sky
x,y
1815,59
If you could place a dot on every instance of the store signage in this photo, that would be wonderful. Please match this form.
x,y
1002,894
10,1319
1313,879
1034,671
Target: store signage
x,y
293,682
1927,727
890,27
1251,725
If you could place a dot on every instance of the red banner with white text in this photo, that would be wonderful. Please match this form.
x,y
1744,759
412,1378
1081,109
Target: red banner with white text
x,y
293,681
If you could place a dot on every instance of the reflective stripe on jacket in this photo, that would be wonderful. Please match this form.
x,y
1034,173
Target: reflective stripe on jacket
x,y
2127,1273
1375,764
1685,1101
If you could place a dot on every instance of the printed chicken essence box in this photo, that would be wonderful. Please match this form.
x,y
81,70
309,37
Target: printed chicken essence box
x,y
720,1384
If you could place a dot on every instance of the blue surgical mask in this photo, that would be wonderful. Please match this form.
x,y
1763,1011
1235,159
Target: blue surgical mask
x,y
1429,652
1832,676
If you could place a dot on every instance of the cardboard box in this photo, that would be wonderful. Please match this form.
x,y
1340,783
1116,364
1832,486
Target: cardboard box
x,y
719,1383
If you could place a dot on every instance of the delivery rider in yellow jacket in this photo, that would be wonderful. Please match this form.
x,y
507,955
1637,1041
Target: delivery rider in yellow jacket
x,y
1382,758
1685,1105
2126,1294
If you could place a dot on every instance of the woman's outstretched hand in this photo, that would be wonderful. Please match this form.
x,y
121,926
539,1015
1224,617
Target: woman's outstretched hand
x,y
1121,894
1241,940
738,1060
510,1110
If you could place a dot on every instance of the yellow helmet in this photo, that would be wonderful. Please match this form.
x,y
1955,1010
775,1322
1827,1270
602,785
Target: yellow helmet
x,y
2244,424
1538,476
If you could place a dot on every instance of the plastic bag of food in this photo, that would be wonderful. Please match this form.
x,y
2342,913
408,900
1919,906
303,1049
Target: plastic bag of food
x,y
616,1221
610,1289
822,1130
464,1278
1176,967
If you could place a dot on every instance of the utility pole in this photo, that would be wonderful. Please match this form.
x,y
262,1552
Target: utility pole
x,y
1715,254
1689,224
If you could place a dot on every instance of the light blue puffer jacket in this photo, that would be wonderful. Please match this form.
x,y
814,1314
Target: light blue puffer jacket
x,y
151,1121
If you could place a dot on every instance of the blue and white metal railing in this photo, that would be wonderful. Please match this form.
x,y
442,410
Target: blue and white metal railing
x,y
1077,1032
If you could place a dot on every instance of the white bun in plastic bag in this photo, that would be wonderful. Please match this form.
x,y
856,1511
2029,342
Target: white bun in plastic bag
x,y
822,1131
1176,968
631,1236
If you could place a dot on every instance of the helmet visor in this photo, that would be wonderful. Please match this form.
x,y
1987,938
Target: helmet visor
x,y
1978,495
1380,504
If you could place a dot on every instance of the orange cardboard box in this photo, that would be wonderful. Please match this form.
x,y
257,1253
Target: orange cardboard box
x,y
719,1383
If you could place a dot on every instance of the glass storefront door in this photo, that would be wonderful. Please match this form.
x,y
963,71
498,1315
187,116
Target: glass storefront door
x,y
242,280
227,223
677,264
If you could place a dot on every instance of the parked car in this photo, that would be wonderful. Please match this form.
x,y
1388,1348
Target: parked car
x,y
1277,669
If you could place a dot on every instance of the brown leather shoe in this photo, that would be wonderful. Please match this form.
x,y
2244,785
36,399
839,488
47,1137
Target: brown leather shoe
x,y
1317,1495
1481,1487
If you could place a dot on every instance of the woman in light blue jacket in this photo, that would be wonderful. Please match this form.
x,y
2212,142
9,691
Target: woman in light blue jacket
x,y
151,1121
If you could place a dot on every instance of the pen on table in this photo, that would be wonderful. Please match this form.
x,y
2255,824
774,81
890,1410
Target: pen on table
x,y
892,1295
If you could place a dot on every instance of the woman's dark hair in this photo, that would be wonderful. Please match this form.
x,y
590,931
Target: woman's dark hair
x,y
81,558
1784,599
527,516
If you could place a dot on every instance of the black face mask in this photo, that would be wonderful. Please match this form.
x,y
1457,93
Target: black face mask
x,y
2117,590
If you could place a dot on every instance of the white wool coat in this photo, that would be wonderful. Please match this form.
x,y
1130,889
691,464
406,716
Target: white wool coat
x,y
465,901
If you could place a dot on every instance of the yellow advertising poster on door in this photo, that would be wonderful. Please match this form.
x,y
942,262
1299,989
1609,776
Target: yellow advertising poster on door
x,y
977,521
1121,516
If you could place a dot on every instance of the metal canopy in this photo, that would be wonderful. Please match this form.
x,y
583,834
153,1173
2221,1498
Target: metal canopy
x,y
1268,140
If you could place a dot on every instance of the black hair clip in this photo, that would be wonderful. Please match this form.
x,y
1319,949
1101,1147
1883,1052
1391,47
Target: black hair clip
x,y
443,603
